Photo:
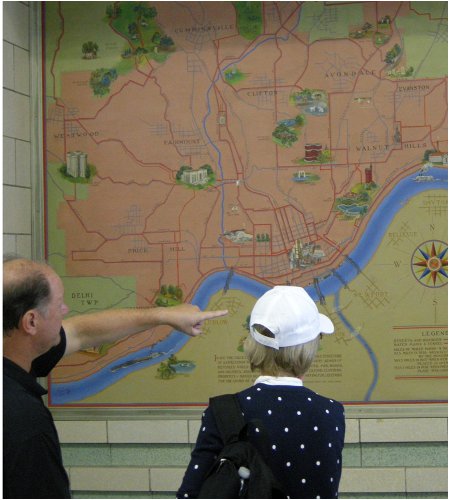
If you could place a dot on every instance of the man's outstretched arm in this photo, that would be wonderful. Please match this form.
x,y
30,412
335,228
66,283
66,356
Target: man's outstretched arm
x,y
91,330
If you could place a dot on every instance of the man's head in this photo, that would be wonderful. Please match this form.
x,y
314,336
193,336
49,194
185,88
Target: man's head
x,y
285,328
33,302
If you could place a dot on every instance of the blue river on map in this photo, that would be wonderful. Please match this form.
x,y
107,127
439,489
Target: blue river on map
x,y
66,393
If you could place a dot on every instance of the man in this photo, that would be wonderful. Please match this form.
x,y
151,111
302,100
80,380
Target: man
x,y
35,338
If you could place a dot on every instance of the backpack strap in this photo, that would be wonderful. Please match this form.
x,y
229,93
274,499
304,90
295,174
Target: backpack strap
x,y
228,416
233,426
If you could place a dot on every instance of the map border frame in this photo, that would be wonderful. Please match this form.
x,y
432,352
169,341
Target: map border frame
x,y
39,252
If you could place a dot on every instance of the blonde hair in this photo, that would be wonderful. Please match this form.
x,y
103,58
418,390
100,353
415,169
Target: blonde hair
x,y
295,359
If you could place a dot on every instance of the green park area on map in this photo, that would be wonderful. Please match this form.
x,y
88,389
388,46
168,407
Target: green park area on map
x,y
207,151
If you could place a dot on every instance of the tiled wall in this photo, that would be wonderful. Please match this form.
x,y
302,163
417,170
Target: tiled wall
x,y
17,133
392,458
383,458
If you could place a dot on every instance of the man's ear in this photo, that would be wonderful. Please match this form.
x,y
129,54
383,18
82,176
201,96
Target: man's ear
x,y
30,321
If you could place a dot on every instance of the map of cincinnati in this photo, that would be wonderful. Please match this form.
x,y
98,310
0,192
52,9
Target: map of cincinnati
x,y
204,152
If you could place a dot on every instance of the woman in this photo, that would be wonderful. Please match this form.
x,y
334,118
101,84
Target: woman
x,y
305,430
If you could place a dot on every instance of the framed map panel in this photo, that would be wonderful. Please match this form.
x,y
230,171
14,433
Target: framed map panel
x,y
207,151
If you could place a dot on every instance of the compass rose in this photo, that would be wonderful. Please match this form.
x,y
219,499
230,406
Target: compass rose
x,y
429,263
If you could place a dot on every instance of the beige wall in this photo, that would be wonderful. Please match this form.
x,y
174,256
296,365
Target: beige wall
x,y
383,458
391,457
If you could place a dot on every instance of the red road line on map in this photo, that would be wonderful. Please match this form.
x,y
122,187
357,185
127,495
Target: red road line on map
x,y
58,48
324,264
78,216
231,143
101,141
286,226
418,377
419,327
428,14
208,219
278,217
444,117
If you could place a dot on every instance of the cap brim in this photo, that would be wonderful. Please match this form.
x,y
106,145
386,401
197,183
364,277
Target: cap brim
x,y
326,325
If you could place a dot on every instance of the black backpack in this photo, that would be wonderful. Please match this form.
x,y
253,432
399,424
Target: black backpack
x,y
239,471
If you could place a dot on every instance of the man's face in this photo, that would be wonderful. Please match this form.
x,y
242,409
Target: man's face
x,y
52,315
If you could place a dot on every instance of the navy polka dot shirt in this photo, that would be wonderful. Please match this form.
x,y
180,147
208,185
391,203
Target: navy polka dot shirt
x,y
306,435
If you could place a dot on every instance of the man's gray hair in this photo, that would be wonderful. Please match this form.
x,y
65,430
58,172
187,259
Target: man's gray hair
x,y
25,287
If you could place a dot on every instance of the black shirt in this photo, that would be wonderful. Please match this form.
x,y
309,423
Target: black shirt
x,y
32,460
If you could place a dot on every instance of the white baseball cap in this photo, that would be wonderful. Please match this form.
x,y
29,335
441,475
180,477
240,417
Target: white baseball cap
x,y
291,315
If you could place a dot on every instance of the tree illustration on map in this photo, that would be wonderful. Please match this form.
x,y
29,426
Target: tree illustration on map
x,y
207,151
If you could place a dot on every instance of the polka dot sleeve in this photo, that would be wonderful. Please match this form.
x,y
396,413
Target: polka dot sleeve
x,y
208,446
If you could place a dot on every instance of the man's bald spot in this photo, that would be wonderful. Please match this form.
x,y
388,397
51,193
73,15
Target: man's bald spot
x,y
26,285
18,269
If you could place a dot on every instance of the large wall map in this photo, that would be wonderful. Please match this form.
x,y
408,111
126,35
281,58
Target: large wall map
x,y
207,151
